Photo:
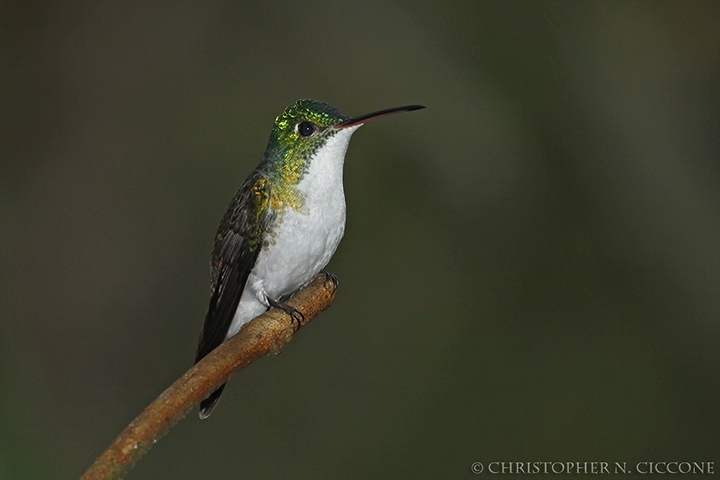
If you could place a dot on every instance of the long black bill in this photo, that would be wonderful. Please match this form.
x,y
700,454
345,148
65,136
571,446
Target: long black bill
x,y
375,115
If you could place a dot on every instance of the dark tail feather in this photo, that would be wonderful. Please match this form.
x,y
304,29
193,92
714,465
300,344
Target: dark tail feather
x,y
207,405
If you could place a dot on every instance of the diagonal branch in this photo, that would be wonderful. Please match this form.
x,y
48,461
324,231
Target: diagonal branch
x,y
263,335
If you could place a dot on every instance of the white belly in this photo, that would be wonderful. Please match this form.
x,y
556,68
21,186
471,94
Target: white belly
x,y
305,240
303,245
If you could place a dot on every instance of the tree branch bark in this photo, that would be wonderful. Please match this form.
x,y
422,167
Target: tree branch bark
x,y
259,337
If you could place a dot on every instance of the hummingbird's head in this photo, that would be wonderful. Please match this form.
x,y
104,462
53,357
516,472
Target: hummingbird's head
x,y
305,126
302,129
310,129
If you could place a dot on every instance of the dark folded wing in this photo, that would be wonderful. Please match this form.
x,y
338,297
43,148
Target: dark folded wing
x,y
237,245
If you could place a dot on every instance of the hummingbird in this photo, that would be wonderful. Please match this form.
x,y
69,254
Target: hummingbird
x,y
284,223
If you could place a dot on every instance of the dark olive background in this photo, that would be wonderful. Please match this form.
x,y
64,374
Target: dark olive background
x,y
531,266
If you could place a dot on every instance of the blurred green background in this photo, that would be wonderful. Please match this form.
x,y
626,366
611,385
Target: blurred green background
x,y
531,266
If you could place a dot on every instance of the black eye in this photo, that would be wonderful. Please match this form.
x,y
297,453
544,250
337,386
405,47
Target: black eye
x,y
306,129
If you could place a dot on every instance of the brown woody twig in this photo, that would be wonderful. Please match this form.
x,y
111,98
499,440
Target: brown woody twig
x,y
263,335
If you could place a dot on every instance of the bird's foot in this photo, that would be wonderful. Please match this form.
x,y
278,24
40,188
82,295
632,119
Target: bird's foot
x,y
331,278
296,315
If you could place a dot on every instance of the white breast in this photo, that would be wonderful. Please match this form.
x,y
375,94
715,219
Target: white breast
x,y
306,239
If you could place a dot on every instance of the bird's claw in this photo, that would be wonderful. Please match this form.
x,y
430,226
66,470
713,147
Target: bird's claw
x,y
331,278
296,315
